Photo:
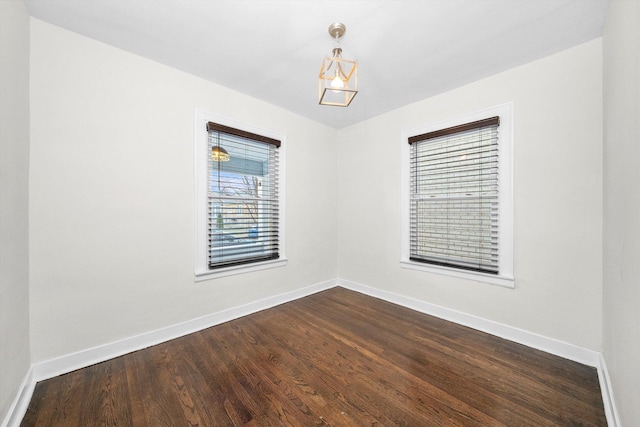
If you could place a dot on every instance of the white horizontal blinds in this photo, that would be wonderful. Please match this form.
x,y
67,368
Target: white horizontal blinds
x,y
454,197
242,198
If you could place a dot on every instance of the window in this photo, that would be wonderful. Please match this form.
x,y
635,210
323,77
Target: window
x,y
239,201
460,199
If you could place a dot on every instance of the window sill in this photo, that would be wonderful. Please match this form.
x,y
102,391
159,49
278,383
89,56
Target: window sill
x,y
505,281
239,269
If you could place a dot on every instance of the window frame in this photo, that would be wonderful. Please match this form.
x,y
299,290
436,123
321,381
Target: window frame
x,y
202,270
505,276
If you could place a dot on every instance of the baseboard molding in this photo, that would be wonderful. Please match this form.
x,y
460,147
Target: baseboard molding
x,y
90,356
64,364
19,406
530,339
613,420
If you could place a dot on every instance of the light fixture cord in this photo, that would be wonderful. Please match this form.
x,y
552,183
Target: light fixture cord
x,y
337,53
336,46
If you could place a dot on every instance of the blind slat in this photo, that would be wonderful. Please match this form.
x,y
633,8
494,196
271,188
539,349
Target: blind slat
x,y
243,205
454,197
491,122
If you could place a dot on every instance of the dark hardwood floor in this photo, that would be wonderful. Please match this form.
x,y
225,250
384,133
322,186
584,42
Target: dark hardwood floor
x,y
334,358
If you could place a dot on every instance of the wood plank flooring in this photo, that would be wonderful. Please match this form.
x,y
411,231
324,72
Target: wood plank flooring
x,y
335,358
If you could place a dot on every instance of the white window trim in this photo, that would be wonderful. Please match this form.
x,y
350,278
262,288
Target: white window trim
x,y
202,271
505,190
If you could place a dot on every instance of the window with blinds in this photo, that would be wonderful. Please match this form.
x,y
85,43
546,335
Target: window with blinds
x,y
242,198
454,200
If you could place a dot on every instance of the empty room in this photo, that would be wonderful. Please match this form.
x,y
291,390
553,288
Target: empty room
x,y
346,213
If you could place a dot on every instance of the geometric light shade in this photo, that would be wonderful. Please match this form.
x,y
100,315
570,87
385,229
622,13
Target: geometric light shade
x,y
338,80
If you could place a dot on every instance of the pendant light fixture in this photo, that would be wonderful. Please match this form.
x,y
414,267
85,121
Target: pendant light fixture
x,y
338,79
219,154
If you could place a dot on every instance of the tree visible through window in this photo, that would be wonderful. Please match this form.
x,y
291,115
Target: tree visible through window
x,y
243,208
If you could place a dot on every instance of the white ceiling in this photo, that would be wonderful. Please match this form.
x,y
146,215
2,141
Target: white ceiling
x,y
407,50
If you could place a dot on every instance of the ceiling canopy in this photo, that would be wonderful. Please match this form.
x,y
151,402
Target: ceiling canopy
x,y
407,50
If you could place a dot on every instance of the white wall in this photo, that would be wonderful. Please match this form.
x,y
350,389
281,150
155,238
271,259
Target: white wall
x,y
558,199
111,199
111,241
622,206
112,196
14,198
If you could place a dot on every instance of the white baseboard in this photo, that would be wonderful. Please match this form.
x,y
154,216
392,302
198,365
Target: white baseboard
x,y
530,339
19,406
64,364
613,420
90,356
